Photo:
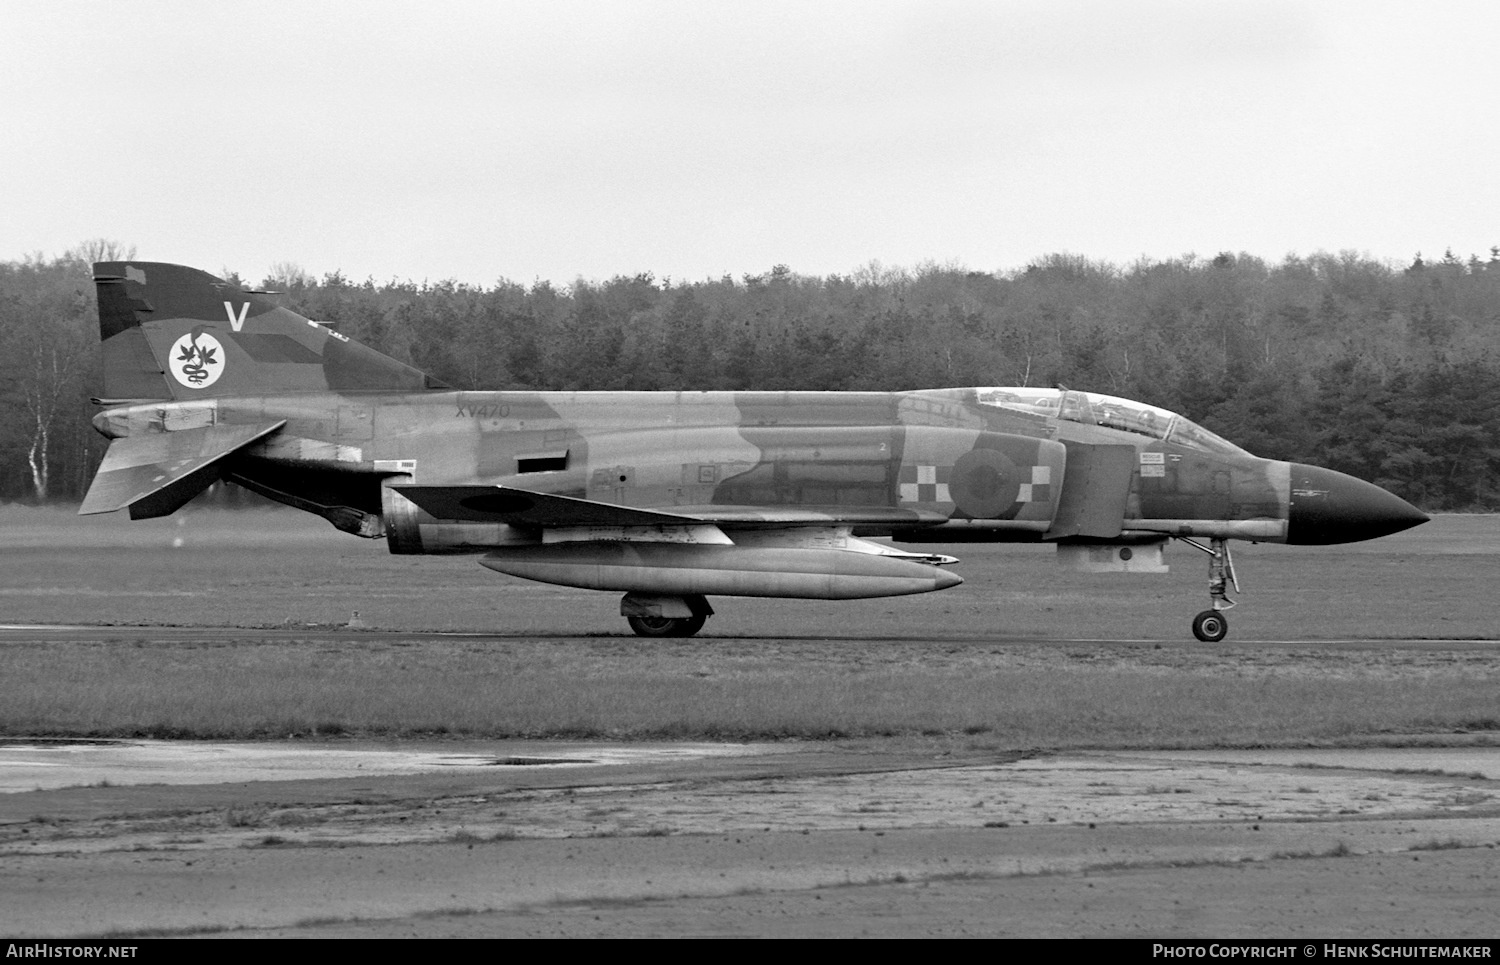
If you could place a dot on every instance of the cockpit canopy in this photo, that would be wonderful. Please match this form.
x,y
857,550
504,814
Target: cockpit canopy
x,y
1091,408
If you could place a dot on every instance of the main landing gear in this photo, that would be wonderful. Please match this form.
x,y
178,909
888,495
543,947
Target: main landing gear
x,y
666,626
665,616
1212,625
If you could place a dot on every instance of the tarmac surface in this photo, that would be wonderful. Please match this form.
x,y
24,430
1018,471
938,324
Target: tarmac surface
x,y
876,838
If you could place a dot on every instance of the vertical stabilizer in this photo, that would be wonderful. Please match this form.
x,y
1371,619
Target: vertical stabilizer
x,y
171,332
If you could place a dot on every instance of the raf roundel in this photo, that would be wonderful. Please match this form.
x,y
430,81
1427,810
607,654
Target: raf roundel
x,y
197,360
985,483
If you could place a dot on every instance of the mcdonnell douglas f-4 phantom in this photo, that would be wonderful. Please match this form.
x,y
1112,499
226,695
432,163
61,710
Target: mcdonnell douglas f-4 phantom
x,y
673,497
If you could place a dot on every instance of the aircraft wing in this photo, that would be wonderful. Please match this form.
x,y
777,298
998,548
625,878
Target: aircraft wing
x,y
773,517
503,504
521,507
154,473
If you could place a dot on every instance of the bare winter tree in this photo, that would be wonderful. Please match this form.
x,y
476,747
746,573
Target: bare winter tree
x,y
46,342
287,276
98,249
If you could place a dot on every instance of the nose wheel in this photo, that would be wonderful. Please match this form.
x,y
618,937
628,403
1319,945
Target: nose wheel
x,y
1212,625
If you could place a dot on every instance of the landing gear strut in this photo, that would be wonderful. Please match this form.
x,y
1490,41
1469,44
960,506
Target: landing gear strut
x,y
1212,625
665,616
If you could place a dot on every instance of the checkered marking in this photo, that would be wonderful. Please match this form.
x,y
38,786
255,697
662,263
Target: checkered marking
x,y
925,484
929,484
1039,490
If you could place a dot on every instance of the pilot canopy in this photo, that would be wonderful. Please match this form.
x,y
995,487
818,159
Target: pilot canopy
x,y
1091,408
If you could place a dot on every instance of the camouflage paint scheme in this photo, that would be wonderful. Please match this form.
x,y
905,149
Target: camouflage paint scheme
x,y
205,381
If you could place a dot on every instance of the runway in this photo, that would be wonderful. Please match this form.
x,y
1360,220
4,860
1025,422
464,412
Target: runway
x,y
945,835
325,633
878,838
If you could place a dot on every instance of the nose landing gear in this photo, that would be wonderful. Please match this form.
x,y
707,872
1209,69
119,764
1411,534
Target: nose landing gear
x,y
1212,625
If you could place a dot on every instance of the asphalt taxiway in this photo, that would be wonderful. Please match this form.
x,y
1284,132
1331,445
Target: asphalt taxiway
x,y
324,633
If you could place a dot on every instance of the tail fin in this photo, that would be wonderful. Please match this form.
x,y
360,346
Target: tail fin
x,y
171,332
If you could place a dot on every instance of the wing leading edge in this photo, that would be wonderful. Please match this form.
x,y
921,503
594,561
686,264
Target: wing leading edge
x,y
522,507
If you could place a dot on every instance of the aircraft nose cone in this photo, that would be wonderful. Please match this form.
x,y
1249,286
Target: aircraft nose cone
x,y
1332,507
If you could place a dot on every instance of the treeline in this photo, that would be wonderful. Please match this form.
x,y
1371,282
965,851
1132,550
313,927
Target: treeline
x,y
1391,373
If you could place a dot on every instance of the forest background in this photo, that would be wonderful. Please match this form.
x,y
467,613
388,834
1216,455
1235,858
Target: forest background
x,y
1387,372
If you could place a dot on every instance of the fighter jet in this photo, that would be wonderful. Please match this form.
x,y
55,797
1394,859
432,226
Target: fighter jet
x,y
673,497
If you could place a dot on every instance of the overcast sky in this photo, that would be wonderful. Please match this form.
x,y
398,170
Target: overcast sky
x,y
557,140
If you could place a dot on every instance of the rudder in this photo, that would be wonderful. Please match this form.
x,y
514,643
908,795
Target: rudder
x,y
172,332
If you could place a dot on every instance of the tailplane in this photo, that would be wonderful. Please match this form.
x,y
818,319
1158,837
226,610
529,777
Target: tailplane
x,y
171,332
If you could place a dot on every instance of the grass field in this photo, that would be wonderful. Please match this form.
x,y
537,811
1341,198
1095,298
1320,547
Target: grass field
x,y
1023,655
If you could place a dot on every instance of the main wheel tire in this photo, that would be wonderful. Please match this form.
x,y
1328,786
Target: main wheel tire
x,y
1210,626
667,626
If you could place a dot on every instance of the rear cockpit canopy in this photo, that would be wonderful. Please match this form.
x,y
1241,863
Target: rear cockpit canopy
x,y
1091,408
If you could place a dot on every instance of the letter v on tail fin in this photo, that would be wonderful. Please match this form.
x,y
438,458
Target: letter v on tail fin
x,y
171,332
